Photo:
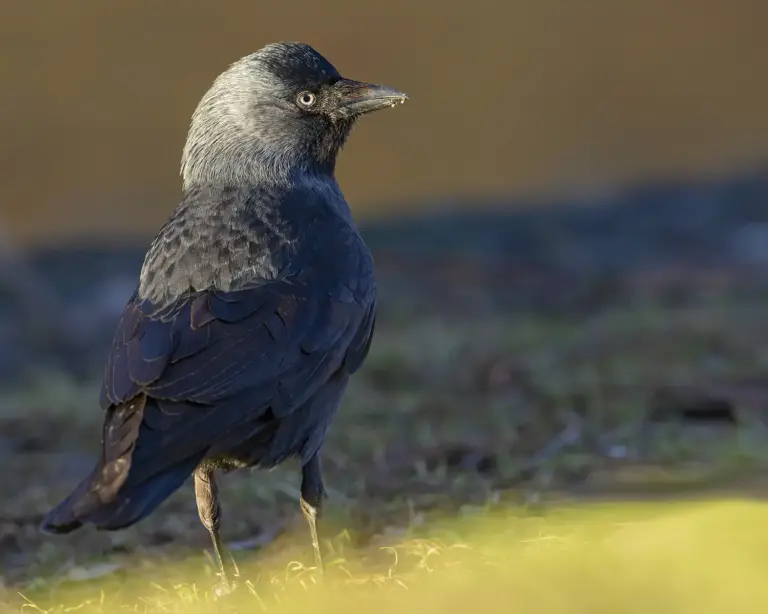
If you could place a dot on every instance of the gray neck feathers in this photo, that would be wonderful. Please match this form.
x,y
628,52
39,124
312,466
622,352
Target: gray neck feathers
x,y
237,137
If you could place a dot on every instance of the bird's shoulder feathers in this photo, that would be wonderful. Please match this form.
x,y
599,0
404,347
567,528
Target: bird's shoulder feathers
x,y
229,238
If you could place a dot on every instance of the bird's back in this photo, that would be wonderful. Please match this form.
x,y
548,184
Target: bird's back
x,y
253,308
296,248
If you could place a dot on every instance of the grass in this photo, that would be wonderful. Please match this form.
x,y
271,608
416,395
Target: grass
x,y
458,449
702,557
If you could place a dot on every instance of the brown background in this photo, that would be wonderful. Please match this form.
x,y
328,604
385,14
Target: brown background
x,y
518,97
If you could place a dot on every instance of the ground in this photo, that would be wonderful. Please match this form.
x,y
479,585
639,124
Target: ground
x,y
461,447
448,418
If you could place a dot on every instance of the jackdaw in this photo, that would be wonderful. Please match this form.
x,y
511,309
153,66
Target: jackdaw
x,y
255,303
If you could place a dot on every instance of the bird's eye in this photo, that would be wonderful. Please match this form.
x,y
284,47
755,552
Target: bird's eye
x,y
306,99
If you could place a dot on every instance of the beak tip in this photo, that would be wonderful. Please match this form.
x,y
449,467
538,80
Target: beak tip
x,y
398,98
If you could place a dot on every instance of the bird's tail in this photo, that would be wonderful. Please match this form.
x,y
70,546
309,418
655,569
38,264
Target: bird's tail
x,y
62,519
128,507
110,498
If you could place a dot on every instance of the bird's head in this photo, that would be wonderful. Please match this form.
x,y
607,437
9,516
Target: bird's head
x,y
281,111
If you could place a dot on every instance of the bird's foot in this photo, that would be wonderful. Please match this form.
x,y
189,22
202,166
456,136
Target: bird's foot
x,y
311,513
228,577
224,588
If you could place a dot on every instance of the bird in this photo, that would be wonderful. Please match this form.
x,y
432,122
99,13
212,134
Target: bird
x,y
255,303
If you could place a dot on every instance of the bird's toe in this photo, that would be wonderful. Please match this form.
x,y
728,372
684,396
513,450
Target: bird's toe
x,y
224,589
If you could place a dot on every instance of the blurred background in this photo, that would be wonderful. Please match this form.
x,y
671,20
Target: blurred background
x,y
528,100
569,219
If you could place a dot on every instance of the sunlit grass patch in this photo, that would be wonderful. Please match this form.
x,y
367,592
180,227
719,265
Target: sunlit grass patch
x,y
702,557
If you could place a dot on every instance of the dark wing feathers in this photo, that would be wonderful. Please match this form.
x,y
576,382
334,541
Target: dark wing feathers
x,y
272,345
361,342
224,366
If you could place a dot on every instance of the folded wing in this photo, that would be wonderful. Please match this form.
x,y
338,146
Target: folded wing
x,y
214,361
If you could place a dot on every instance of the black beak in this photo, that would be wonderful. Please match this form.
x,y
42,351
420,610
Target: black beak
x,y
356,98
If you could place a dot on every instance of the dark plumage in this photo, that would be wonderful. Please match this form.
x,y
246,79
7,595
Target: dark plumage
x,y
255,304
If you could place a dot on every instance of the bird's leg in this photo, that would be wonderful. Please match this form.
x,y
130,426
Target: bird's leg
x,y
209,510
312,497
